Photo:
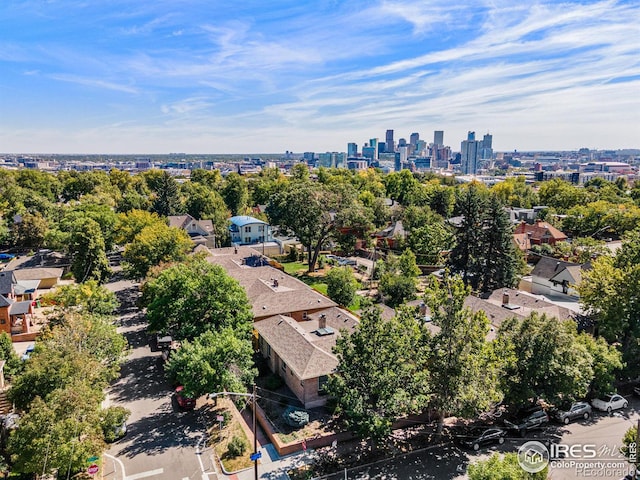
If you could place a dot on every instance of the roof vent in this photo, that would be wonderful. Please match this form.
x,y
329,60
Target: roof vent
x,y
323,332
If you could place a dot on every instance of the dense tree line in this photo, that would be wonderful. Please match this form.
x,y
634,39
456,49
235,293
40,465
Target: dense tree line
x,y
390,369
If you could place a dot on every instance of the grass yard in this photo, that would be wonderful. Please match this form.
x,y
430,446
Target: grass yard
x,y
295,268
220,439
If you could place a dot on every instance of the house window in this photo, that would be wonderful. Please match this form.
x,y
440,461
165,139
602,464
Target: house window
x,y
247,239
268,350
284,367
261,228
322,384
247,229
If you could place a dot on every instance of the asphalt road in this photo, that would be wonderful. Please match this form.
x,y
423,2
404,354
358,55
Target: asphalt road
x,y
442,463
162,442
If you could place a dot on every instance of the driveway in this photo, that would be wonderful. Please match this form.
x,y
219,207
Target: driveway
x,y
162,443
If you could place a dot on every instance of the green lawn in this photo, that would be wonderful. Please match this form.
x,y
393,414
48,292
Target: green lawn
x,y
292,268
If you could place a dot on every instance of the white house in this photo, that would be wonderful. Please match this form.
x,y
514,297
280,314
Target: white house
x,y
246,230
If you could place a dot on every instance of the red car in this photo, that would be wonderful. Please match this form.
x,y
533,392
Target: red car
x,y
185,402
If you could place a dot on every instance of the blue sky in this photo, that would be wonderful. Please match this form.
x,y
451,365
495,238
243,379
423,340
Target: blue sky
x,y
206,76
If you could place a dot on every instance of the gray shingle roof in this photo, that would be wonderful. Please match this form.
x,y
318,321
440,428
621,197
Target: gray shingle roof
x,y
290,295
297,347
37,273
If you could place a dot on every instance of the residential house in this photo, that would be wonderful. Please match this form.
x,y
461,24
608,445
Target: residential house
x,y
522,241
47,277
551,276
296,326
246,230
301,352
16,318
502,304
541,232
200,231
270,291
390,237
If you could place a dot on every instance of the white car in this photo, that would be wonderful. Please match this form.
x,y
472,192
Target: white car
x,y
608,403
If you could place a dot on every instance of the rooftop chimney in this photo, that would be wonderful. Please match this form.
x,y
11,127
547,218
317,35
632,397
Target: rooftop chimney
x,y
322,321
505,298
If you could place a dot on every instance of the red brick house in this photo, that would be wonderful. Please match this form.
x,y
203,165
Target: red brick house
x,y
540,232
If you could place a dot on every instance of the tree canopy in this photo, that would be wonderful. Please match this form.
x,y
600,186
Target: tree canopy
x,y
195,296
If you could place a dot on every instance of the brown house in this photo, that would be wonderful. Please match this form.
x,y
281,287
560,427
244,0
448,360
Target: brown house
x,y
270,291
15,317
540,232
301,351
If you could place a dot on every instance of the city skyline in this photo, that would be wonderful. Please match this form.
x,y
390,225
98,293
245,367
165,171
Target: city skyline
x,y
199,76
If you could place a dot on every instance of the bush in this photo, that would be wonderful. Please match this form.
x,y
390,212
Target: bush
x,y
273,382
237,446
341,285
295,418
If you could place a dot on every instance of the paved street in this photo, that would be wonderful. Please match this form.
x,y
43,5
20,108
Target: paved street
x,y
162,443
603,431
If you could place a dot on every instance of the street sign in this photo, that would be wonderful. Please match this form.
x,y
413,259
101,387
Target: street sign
x,y
255,456
220,418
93,469
93,459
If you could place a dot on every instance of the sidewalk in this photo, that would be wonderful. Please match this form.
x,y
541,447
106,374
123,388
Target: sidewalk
x,y
273,467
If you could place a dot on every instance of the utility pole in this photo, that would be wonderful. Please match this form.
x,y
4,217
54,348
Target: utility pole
x,y
255,433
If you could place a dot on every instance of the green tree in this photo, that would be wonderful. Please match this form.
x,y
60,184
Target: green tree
x,y
341,285
236,193
59,433
547,361
610,293
131,223
381,374
155,244
13,363
305,210
213,362
501,261
630,437
398,278
166,200
466,257
89,257
606,362
562,195
503,467
205,204
429,242
81,347
195,296
88,297
465,368
30,231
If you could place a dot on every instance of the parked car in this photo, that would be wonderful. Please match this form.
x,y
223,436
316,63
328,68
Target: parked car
x,y
534,420
185,401
577,410
608,403
480,437
163,341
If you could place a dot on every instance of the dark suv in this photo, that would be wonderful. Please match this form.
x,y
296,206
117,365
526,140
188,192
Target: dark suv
x,y
534,420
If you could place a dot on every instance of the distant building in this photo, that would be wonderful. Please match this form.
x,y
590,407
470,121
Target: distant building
x,y
247,230
352,149
368,152
373,142
487,147
389,142
413,139
200,231
438,138
469,154
310,158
